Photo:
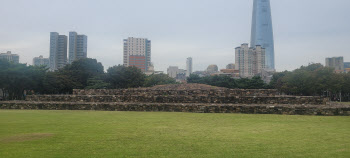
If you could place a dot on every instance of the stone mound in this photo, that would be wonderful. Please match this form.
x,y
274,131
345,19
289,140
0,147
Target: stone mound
x,y
189,86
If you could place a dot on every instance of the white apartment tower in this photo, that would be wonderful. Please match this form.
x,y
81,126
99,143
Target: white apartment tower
x,y
250,61
189,67
335,62
173,71
58,51
77,46
10,57
137,52
41,61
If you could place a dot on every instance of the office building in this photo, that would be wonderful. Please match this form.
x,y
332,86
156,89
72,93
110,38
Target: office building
x,y
262,32
189,67
58,51
230,66
336,62
14,58
77,46
250,61
41,61
137,52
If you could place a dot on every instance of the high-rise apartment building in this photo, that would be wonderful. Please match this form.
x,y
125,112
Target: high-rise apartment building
x,y
58,51
77,46
335,62
262,32
10,57
189,67
41,61
250,61
137,52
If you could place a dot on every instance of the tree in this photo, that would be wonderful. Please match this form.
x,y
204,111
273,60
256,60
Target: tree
x,y
159,79
17,78
194,78
125,77
313,79
97,83
82,70
228,82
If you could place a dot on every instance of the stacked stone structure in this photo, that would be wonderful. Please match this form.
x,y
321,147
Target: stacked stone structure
x,y
183,98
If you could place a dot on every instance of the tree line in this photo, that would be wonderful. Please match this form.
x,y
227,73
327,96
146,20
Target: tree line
x,y
229,82
313,80
18,80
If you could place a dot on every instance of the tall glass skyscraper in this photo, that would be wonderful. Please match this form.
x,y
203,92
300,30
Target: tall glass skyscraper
x,y
262,32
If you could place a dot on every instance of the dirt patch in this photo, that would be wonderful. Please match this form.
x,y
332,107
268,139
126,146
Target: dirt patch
x,y
25,137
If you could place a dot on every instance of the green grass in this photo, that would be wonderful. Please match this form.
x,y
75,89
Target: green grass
x,y
151,134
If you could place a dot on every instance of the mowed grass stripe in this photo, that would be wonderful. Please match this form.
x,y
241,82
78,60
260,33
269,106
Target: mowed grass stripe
x,y
162,134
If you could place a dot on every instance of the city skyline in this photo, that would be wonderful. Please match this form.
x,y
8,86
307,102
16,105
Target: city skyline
x,y
298,41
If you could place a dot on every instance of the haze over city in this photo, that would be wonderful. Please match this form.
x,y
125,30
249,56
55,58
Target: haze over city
x,y
207,31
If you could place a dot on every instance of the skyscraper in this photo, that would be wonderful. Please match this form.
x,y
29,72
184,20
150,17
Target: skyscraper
x,y
189,67
77,46
262,32
137,52
58,51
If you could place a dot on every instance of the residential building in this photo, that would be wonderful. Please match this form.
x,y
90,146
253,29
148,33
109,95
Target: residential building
x,y
189,67
151,71
176,73
10,57
41,61
250,61
336,62
266,75
212,69
137,52
262,32
228,72
201,73
347,70
77,46
346,65
173,71
230,66
181,76
58,51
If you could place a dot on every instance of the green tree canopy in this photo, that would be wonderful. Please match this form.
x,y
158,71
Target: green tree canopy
x,y
159,79
125,77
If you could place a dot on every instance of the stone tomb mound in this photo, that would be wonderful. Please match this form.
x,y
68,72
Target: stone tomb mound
x,y
179,93
183,98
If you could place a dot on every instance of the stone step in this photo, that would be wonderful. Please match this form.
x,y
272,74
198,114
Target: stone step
x,y
180,99
146,91
287,109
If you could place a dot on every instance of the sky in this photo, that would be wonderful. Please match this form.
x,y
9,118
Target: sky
x,y
305,31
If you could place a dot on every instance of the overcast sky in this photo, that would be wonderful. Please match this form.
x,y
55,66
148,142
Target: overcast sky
x,y
305,31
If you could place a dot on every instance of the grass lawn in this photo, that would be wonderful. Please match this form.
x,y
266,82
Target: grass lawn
x,y
156,134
